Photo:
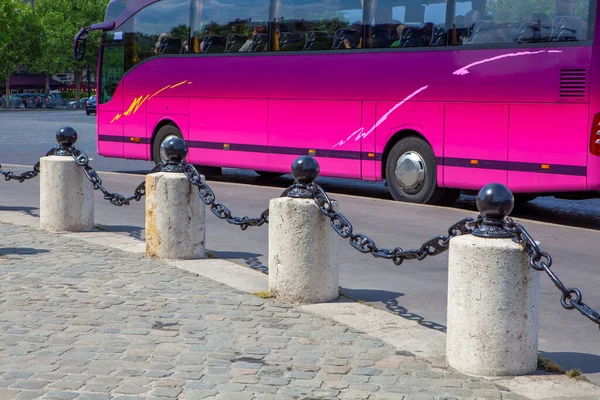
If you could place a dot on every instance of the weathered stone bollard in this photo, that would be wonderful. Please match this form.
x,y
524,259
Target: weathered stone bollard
x,y
493,296
66,195
174,213
303,259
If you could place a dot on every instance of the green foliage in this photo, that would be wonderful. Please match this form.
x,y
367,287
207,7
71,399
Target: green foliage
x,y
19,36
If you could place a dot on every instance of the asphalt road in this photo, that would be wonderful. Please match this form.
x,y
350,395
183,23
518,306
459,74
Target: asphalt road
x,y
568,230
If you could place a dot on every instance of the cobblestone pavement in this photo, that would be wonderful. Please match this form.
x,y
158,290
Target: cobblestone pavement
x,y
81,321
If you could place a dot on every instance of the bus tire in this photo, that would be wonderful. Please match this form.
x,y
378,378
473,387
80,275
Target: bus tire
x,y
165,133
269,174
411,172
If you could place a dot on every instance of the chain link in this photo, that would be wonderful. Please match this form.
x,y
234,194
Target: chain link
x,y
116,199
541,261
9,175
365,244
219,209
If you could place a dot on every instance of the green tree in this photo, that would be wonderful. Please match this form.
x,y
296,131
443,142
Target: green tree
x,y
62,19
19,38
55,46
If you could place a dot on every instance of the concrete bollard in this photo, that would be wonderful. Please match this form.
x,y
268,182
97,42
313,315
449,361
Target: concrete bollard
x,y
493,296
303,258
66,195
175,214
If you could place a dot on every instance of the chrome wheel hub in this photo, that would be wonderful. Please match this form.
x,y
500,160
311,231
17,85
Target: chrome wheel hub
x,y
163,156
410,172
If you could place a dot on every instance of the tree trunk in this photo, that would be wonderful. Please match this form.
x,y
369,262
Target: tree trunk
x,y
78,78
47,83
8,92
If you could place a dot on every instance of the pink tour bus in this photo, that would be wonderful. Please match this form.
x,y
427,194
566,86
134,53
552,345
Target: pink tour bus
x,y
433,96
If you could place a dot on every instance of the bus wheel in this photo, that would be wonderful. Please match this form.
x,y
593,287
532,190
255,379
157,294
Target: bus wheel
x,y
269,174
411,172
165,133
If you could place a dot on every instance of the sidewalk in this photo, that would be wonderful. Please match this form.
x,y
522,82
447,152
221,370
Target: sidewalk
x,y
80,320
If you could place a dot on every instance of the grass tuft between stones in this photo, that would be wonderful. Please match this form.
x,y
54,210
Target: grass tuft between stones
x,y
263,295
548,365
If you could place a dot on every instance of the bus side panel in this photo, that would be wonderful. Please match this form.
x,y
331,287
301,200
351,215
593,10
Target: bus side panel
x,y
426,118
296,127
475,142
228,132
371,160
548,147
135,145
110,125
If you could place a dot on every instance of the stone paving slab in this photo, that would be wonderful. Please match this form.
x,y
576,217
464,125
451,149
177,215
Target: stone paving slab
x,y
81,321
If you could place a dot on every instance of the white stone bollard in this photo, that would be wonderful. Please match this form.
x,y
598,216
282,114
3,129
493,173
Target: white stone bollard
x,y
175,217
174,212
493,302
303,261
66,196
303,258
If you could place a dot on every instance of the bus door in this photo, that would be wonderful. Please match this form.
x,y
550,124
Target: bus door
x,y
110,96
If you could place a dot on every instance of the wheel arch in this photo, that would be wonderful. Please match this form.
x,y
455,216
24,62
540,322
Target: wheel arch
x,y
159,125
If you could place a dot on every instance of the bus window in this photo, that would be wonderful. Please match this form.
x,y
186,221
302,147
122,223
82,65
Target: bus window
x,y
317,25
526,21
413,23
161,28
230,26
113,66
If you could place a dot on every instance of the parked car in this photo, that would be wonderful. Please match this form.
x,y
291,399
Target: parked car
x,y
82,101
15,102
32,100
48,101
90,106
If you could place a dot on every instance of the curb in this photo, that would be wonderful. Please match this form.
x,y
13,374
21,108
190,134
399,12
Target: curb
x,y
408,337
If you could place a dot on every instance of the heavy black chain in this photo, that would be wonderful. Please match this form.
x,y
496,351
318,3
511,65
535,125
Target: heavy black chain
x,y
9,175
219,209
364,244
115,198
541,261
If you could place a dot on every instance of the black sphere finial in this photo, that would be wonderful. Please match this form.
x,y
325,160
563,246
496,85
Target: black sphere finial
x,y
495,202
66,138
176,150
305,170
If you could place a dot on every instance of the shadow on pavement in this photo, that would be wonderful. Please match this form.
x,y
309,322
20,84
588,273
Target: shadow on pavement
x,y
26,251
250,259
132,231
32,211
390,301
587,363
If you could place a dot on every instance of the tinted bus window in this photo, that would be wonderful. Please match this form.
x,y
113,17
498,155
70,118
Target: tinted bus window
x,y
113,66
523,21
160,28
318,25
114,9
412,23
230,26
